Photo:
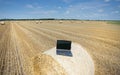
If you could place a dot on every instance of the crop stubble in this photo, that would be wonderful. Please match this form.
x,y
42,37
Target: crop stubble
x,y
22,41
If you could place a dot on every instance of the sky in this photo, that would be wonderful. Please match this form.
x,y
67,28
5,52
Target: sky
x,y
60,9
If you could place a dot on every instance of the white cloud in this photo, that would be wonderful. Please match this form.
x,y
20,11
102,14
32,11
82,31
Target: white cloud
x,y
44,12
115,12
118,6
97,15
100,10
87,5
29,6
59,7
67,12
67,1
107,0
33,6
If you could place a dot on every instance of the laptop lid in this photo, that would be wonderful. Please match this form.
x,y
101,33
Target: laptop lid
x,y
63,45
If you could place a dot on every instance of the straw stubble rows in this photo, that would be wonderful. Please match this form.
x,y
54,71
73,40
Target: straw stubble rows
x,y
23,42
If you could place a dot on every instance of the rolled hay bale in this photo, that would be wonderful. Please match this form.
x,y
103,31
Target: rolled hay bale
x,y
40,21
80,63
82,21
60,21
36,22
45,65
71,21
2,23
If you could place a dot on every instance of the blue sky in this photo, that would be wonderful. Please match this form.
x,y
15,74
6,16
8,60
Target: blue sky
x,y
68,9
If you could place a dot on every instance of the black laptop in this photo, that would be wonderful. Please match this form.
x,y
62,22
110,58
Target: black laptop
x,y
63,47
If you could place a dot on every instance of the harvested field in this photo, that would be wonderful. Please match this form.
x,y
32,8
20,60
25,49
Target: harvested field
x,y
23,42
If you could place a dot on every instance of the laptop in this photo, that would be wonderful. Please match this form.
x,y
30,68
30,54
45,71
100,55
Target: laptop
x,y
63,47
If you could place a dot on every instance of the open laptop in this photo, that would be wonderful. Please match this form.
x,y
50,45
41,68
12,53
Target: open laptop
x,y
63,47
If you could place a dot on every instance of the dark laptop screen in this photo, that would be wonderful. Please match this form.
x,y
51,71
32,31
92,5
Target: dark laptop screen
x,y
63,44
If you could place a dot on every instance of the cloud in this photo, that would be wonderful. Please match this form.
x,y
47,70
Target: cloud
x,y
115,12
33,6
67,1
29,6
59,7
86,7
107,0
67,12
100,10
44,12
89,10
118,6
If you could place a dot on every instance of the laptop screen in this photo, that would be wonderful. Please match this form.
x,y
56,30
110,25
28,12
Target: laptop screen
x,y
63,44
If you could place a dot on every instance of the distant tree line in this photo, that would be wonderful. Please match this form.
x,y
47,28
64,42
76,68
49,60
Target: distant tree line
x,y
25,19
34,19
52,19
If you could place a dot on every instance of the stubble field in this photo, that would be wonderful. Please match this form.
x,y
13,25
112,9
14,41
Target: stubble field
x,y
23,42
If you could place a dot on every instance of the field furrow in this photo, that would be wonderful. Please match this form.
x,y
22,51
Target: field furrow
x,y
21,42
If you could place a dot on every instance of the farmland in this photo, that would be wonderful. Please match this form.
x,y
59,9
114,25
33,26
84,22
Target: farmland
x,y
23,42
